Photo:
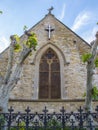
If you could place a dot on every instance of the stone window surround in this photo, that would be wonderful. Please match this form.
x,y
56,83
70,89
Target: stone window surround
x,y
36,65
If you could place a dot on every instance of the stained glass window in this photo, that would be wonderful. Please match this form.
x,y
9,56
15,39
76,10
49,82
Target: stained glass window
x,y
49,76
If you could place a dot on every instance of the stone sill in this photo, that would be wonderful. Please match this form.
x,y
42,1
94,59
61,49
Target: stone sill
x,y
49,100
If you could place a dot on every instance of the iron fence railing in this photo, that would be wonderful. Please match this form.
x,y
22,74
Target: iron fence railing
x,y
62,120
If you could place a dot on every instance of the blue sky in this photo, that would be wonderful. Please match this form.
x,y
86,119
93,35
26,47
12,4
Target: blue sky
x,y
79,15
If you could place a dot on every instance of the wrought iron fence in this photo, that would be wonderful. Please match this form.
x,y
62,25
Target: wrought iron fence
x,y
63,120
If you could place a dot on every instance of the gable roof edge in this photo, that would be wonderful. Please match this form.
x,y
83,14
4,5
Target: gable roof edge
x,y
73,32
62,24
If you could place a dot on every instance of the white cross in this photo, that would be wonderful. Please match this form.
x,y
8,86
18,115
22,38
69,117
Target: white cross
x,y
49,29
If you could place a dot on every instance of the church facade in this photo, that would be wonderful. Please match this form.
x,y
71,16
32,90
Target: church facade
x,y
54,75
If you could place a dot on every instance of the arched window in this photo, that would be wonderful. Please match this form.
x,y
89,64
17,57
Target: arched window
x,y
49,76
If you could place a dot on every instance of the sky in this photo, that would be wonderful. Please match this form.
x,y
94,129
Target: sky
x,y
79,15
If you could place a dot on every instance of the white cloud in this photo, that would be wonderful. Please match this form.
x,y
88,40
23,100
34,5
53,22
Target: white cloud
x,y
4,43
82,19
62,13
89,36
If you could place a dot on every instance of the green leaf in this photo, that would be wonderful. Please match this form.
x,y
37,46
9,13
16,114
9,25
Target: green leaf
x,y
17,47
32,41
96,62
25,28
84,95
95,93
22,125
86,57
17,38
1,12
2,120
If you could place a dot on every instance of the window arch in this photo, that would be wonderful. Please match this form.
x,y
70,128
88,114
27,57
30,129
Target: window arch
x,y
49,76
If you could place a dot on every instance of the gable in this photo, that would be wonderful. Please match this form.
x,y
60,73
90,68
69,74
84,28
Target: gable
x,y
61,32
61,35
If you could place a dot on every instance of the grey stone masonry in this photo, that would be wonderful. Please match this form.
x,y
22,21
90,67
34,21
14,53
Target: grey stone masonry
x,y
69,48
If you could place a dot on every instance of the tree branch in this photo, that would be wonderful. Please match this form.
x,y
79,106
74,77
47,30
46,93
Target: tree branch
x,y
23,55
10,61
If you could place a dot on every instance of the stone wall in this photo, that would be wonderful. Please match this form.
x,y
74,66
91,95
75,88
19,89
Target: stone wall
x,y
69,48
38,106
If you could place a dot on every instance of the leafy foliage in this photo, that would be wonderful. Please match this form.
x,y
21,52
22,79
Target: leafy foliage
x,y
25,28
21,125
54,123
32,41
95,93
1,12
2,121
86,57
16,37
96,62
17,46
84,94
